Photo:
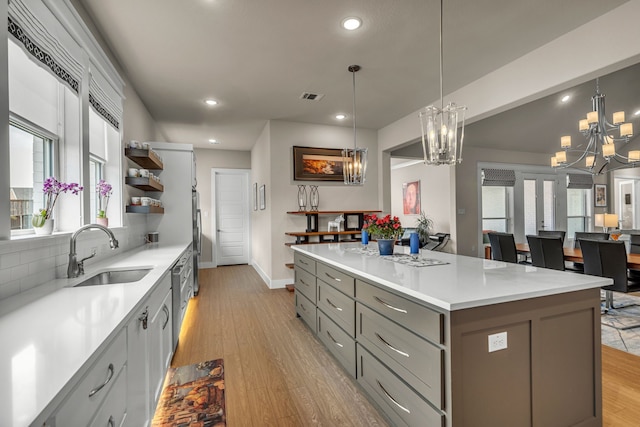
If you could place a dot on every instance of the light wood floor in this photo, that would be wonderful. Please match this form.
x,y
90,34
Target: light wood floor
x,y
276,373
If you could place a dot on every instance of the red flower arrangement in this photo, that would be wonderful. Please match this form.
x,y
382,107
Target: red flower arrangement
x,y
386,227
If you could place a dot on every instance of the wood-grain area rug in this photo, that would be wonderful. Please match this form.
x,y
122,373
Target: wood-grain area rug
x,y
192,396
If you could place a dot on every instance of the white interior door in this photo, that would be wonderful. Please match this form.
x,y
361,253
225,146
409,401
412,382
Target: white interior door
x,y
539,203
231,190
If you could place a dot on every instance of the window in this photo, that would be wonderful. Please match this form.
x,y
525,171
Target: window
x,y
32,161
578,210
96,167
495,208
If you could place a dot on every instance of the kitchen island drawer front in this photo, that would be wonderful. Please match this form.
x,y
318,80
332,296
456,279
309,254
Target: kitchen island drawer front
x,y
417,318
417,361
336,278
341,345
397,400
307,311
87,396
304,262
305,283
338,306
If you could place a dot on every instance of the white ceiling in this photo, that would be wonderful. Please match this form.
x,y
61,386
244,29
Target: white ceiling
x,y
257,57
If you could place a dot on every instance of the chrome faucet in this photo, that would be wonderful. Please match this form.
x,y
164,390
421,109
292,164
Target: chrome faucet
x,y
76,268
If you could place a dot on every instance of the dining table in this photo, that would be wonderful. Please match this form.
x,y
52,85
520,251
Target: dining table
x,y
575,255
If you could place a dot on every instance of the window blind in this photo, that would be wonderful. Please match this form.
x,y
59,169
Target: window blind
x,y
42,45
498,177
579,180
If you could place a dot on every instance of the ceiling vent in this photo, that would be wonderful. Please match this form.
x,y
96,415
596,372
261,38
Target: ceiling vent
x,y
311,96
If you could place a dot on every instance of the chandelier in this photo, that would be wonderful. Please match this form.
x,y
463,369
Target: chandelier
x,y
600,152
354,166
439,126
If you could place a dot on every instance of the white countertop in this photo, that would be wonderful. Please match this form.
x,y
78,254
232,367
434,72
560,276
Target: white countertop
x,y
465,282
45,343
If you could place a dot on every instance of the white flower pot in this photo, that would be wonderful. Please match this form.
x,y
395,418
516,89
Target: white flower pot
x,y
46,229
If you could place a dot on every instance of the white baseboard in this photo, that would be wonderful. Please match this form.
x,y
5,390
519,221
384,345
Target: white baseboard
x,y
271,284
207,265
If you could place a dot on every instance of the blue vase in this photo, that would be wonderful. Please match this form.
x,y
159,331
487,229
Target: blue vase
x,y
364,236
385,246
414,243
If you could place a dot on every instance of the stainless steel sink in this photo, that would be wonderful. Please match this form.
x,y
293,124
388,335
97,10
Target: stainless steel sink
x,y
115,276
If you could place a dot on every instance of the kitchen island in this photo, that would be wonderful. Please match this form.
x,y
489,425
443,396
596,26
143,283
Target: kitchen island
x,y
460,341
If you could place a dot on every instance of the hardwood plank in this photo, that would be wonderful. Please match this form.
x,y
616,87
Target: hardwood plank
x,y
278,373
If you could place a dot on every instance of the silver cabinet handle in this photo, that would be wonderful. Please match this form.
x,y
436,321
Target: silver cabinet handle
x,y
302,307
101,386
144,317
334,340
386,304
304,283
395,402
303,262
331,277
390,346
333,305
166,310
111,422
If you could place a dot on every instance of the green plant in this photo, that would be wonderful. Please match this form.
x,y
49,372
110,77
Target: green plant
x,y
383,228
424,226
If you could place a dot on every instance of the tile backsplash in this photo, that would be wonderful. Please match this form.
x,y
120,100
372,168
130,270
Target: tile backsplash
x,y
26,263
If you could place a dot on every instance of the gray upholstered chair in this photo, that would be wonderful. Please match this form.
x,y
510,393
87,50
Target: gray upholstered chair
x,y
546,252
503,247
553,233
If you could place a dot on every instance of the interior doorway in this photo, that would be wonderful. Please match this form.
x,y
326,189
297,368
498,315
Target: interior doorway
x,y
231,218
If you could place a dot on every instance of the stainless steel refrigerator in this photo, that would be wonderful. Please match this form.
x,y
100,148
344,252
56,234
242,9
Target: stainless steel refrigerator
x,y
197,237
180,223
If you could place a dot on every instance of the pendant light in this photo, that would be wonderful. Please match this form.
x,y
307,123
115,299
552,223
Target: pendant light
x,y
439,125
354,166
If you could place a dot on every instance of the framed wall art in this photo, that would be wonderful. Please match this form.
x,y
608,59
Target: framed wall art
x,y
262,197
411,198
600,195
317,164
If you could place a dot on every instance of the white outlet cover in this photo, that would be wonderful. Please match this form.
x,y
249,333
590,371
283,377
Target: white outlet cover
x,y
497,342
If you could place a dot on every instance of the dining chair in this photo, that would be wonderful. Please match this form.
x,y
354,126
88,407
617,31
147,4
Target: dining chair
x,y
634,248
553,233
553,252
535,250
578,266
546,252
606,258
503,247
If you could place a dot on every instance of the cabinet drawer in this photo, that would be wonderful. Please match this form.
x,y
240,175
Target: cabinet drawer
x,y
338,306
336,278
415,360
341,345
305,283
307,311
80,407
304,262
417,318
398,401
114,408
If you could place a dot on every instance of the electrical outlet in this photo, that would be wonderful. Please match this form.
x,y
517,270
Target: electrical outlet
x,y
497,341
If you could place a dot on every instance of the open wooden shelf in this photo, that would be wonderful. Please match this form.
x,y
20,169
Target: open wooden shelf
x,y
146,158
145,209
321,233
146,184
289,265
319,243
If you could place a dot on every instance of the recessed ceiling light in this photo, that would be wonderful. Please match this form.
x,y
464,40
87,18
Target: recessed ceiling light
x,y
637,113
351,23
211,102
213,141
566,98
341,116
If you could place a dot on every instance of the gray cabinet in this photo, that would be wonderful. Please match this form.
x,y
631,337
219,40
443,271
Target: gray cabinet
x,y
424,365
